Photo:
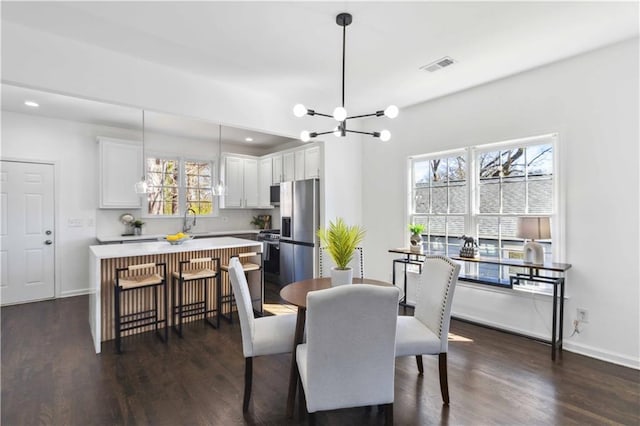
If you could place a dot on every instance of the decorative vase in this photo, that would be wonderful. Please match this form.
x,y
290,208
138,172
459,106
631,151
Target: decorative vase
x,y
137,230
341,276
416,243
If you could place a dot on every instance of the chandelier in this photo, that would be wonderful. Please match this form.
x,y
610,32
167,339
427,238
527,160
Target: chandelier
x,y
340,113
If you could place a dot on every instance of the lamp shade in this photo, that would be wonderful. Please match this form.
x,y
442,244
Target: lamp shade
x,y
534,228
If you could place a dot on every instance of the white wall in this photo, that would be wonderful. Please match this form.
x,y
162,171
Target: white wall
x,y
591,101
72,147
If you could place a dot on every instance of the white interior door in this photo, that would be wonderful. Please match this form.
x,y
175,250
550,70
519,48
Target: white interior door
x,y
26,232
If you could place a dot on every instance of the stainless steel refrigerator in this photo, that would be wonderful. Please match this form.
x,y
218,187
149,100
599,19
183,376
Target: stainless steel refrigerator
x,y
300,217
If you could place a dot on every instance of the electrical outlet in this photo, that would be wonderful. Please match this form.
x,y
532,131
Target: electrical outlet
x,y
582,315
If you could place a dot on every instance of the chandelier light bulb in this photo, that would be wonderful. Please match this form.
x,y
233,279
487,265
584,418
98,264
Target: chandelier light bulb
x,y
340,113
305,136
385,135
299,110
391,111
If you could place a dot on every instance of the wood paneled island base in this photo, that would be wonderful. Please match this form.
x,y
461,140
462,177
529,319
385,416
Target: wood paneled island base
x,y
104,259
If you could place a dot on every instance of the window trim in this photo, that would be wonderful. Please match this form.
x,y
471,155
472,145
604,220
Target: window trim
x,y
472,215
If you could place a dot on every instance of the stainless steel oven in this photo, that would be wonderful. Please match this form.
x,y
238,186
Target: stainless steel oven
x,y
270,239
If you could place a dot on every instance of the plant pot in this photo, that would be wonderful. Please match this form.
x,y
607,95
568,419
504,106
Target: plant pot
x,y
341,276
137,230
416,243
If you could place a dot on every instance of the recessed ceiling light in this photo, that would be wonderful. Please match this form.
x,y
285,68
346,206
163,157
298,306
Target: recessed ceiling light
x,y
31,104
248,139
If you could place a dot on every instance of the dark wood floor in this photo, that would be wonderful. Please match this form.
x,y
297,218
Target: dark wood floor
x,y
50,375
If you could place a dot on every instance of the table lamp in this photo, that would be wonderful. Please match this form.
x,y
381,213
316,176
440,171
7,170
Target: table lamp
x,y
533,228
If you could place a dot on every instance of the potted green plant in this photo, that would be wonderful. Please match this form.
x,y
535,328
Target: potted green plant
x,y
137,226
416,230
340,241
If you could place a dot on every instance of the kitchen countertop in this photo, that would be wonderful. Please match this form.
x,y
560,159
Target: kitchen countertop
x,y
107,251
104,253
119,238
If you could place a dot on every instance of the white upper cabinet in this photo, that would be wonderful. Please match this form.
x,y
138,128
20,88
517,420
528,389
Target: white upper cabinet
x,y
312,162
234,179
120,168
265,180
299,165
288,166
241,178
277,169
250,182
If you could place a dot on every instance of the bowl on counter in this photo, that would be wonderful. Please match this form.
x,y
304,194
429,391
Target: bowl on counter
x,y
176,241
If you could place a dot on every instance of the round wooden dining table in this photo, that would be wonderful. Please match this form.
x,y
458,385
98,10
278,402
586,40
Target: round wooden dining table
x,y
296,294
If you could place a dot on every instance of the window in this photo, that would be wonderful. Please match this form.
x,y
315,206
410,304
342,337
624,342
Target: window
x,y
440,200
176,185
480,192
198,187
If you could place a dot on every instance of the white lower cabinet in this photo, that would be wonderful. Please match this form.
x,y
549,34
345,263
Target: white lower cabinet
x,y
241,178
120,168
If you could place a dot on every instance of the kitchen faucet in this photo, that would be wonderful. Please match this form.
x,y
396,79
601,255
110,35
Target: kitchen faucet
x,y
186,227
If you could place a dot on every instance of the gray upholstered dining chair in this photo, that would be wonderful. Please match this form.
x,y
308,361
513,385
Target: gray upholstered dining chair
x,y
260,336
426,332
348,359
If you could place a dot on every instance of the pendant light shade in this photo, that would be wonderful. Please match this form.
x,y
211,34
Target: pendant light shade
x,y
340,113
141,186
218,187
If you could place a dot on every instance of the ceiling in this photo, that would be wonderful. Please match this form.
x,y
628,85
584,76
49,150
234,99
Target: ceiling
x,y
88,111
293,49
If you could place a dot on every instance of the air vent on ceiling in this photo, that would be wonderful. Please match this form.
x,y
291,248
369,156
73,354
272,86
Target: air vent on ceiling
x,y
438,65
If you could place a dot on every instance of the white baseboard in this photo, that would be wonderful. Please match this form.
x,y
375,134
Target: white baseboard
x,y
71,293
574,347
501,326
602,355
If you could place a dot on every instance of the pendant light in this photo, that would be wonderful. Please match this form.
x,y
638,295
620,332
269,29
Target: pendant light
x,y
340,113
141,186
218,187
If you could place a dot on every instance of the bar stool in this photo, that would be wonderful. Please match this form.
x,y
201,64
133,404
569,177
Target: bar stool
x,y
251,262
201,270
125,284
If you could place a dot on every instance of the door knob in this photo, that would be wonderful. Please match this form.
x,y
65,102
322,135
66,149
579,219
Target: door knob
x,y
47,232
48,242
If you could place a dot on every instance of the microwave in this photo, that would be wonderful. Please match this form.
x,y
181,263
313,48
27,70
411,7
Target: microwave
x,y
274,196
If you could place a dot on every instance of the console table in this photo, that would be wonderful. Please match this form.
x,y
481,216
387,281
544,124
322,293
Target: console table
x,y
410,258
532,275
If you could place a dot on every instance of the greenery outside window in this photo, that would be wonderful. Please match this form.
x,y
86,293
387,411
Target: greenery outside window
x,y
198,187
176,185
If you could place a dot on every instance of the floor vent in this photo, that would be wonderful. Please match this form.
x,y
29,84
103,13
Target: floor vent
x,y
438,65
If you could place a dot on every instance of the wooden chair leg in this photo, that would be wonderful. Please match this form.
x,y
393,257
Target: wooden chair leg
x,y
388,414
444,384
302,399
248,374
419,362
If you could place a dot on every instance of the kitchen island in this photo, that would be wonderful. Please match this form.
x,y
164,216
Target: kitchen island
x,y
104,259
